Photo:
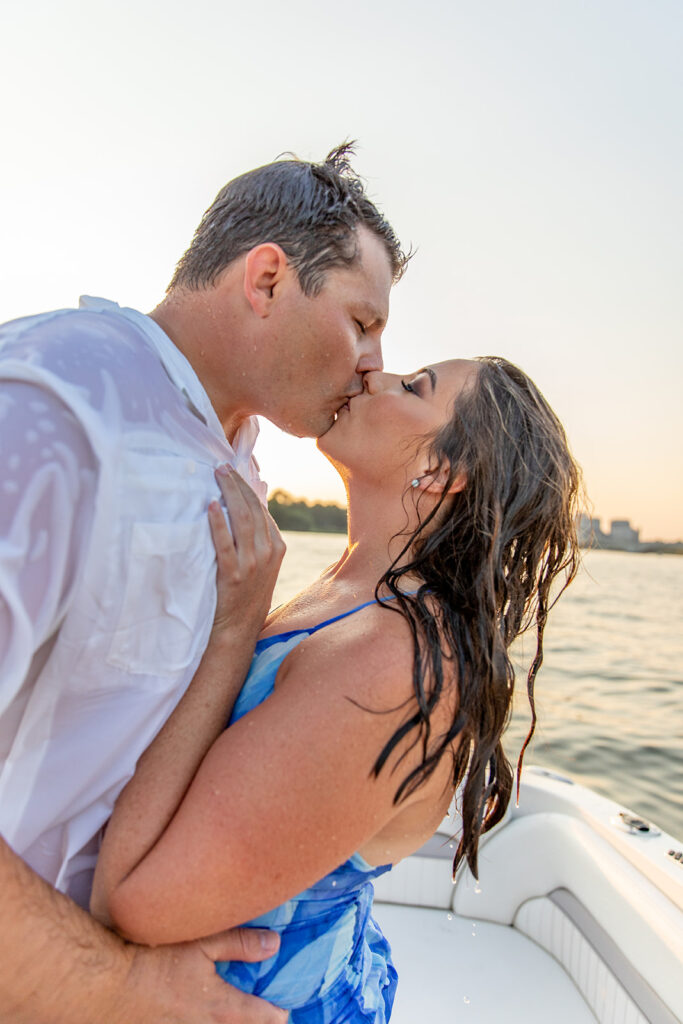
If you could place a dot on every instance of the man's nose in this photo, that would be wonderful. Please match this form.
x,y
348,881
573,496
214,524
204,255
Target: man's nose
x,y
371,357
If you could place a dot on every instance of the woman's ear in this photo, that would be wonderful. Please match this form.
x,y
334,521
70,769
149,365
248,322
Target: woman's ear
x,y
434,481
265,266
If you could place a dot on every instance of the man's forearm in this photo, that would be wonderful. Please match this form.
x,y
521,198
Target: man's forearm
x,y
56,963
59,966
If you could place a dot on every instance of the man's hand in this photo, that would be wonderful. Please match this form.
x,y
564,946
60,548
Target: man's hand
x,y
179,984
59,966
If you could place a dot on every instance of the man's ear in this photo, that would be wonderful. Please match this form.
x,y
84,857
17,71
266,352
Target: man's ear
x,y
265,267
435,480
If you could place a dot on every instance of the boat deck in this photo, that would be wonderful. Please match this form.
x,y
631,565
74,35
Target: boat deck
x,y
483,972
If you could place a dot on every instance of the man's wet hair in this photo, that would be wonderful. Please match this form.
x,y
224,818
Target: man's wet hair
x,y
312,211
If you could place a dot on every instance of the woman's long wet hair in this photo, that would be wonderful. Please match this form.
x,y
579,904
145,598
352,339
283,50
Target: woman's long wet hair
x,y
487,557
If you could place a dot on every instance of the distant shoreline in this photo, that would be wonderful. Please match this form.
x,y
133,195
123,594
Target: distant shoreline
x,y
656,547
621,537
302,516
297,514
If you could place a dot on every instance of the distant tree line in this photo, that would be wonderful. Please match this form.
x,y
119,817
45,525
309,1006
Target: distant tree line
x,y
295,514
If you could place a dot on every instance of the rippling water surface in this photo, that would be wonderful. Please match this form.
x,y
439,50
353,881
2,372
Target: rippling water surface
x,y
610,694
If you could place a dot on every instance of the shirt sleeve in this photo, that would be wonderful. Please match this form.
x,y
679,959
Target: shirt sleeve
x,y
48,483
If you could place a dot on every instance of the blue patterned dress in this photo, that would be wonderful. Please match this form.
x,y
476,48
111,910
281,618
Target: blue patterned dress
x,y
334,965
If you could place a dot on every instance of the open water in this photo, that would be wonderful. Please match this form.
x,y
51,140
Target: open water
x,y
609,696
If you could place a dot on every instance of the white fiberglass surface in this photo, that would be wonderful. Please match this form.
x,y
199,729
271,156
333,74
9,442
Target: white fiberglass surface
x,y
474,972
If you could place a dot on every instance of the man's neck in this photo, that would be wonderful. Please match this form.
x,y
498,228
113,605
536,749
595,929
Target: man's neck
x,y
192,323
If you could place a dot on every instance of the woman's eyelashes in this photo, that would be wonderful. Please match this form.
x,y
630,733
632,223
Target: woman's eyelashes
x,y
408,387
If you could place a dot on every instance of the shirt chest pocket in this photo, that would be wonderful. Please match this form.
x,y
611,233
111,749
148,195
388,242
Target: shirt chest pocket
x,y
168,598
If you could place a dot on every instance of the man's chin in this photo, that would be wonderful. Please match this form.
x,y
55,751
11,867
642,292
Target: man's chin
x,y
314,429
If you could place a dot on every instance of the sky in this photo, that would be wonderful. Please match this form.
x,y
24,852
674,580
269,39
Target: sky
x,y
531,151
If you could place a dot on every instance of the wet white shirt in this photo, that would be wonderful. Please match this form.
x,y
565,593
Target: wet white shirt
x,y
108,444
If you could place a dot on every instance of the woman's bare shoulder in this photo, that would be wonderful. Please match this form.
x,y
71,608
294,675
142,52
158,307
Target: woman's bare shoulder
x,y
367,653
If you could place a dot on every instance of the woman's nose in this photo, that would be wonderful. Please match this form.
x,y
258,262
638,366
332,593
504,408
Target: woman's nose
x,y
372,381
377,380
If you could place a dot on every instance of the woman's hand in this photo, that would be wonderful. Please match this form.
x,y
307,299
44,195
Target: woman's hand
x,y
248,559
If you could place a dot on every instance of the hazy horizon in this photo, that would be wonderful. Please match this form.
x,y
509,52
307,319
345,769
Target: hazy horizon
x,y
313,500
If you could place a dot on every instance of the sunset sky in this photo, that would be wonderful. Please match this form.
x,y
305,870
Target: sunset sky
x,y
530,150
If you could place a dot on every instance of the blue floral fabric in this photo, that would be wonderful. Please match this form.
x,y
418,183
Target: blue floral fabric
x,y
334,965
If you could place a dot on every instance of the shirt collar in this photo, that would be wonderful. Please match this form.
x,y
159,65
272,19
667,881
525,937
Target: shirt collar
x,y
181,373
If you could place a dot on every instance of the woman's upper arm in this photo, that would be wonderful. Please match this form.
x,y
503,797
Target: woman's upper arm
x,y
283,797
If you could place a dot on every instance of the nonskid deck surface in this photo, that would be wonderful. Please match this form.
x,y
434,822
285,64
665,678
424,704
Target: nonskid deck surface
x,y
474,972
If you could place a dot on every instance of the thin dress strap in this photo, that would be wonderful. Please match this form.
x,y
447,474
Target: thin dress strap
x,y
336,618
274,638
381,600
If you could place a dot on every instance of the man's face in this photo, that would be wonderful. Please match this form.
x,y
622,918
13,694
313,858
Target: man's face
x,y
330,340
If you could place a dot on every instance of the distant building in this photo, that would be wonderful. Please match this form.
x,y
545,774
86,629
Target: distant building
x,y
621,536
585,530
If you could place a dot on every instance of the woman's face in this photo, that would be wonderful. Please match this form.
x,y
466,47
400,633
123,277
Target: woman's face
x,y
380,430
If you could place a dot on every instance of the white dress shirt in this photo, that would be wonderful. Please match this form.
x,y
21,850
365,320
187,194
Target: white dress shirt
x,y
108,444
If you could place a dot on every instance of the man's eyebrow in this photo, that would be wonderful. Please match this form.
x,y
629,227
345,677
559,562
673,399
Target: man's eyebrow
x,y
432,376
